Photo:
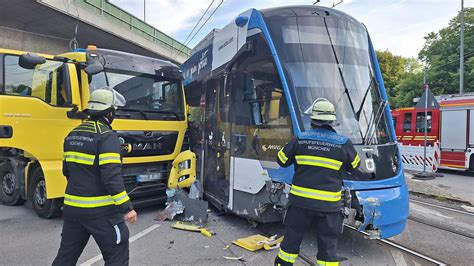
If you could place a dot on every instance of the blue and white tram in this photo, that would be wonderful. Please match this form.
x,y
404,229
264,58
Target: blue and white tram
x,y
248,86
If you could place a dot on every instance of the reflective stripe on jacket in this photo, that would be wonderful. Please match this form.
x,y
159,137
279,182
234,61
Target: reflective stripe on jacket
x,y
319,156
93,166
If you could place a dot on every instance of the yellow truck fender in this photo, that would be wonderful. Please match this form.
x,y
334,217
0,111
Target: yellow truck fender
x,y
183,170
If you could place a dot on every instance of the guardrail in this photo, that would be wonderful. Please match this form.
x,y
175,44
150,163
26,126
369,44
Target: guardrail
x,y
120,16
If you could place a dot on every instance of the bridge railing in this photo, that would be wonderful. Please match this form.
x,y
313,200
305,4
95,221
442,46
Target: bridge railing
x,y
136,25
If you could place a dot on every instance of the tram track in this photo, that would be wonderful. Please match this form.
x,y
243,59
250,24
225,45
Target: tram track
x,y
402,248
441,207
438,226
308,261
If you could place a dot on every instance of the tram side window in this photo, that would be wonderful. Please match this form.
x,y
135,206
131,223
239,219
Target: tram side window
x,y
420,122
44,82
264,98
407,122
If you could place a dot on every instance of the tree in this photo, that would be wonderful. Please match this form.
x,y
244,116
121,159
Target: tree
x,y
441,55
395,69
407,89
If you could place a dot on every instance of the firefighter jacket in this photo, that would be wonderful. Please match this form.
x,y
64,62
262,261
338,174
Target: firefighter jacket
x,y
93,167
319,155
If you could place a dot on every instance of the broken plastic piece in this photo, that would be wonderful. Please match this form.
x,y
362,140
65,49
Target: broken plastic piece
x,y
195,209
195,190
175,207
234,258
170,192
257,242
272,243
192,228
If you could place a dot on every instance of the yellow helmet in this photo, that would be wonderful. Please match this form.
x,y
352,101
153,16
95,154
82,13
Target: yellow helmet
x,y
104,98
323,110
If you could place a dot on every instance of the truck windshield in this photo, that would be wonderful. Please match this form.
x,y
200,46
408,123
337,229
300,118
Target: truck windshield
x,y
329,57
148,97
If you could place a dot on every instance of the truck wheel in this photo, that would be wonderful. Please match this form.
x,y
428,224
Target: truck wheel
x,y
44,207
10,186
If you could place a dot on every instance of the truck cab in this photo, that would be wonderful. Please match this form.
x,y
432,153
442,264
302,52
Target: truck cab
x,y
41,99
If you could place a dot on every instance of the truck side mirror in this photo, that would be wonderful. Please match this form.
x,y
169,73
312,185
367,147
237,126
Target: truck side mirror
x,y
94,68
30,61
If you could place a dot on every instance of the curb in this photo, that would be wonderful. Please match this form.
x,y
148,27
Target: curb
x,y
416,193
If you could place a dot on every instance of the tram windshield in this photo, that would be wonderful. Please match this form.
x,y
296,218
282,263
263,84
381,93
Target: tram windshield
x,y
328,56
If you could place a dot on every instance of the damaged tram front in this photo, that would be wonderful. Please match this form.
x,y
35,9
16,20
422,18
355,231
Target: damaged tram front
x,y
248,87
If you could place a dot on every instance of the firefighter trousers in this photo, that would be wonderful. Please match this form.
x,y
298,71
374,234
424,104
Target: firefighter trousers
x,y
298,220
109,232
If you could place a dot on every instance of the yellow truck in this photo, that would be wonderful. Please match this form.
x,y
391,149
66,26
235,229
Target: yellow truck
x,y
41,98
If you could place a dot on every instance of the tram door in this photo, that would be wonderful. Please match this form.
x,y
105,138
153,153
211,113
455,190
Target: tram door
x,y
216,137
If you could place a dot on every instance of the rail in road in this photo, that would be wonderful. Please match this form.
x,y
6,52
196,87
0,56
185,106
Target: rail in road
x,y
441,227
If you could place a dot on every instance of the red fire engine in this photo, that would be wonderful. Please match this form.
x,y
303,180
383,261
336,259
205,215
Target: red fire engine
x,y
452,125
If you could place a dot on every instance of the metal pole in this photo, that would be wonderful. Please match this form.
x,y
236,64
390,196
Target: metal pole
x,y
461,54
144,12
426,119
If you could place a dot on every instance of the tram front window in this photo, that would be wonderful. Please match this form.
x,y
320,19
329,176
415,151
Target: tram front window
x,y
328,56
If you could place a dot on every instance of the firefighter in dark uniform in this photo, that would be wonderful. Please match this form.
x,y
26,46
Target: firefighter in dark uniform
x,y
95,202
319,156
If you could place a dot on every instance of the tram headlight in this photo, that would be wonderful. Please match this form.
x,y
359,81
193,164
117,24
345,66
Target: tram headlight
x,y
395,164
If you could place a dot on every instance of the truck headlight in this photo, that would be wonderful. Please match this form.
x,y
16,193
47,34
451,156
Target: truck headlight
x,y
184,165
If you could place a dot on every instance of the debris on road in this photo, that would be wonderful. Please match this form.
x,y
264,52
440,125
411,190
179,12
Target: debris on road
x,y
191,227
181,202
195,210
234,258
173,208
257,242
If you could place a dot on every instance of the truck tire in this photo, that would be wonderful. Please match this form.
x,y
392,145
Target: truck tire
x,y
45,208
10,186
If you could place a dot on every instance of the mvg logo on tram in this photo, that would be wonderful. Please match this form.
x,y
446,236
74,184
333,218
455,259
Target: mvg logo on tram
x,y
271,147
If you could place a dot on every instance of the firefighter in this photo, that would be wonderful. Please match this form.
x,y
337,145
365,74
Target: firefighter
x,y
319,156
95,202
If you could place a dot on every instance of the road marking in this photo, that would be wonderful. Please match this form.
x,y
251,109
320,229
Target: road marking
x,y
398,258
130,240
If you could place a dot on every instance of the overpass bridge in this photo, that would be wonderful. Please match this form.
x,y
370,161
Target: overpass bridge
x,y
49,26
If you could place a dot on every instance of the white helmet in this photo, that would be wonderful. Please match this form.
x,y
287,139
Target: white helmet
x,y
105,98
323,110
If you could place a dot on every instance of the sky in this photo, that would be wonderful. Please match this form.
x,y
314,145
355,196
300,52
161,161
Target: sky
x,y
397,25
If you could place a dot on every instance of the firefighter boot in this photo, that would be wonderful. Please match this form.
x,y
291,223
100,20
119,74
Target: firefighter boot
x,y
280,262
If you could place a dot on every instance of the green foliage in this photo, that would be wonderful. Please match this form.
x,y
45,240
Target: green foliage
x,y
408,88
441,54
398,71
393,68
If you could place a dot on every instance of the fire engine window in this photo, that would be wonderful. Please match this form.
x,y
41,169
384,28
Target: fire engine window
x,y
420,122
45,82
407,122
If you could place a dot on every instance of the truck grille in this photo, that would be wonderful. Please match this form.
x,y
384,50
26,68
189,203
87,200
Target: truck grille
x,y
147,143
